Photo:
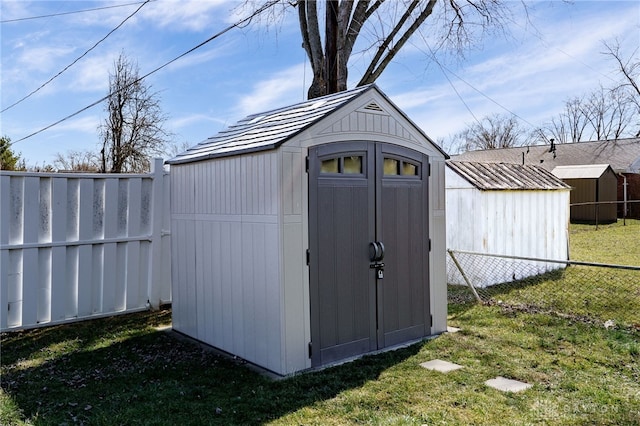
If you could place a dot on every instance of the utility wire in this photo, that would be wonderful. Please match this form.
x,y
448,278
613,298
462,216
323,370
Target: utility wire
x,y
488,97
6,21
213,37
78,58
442,69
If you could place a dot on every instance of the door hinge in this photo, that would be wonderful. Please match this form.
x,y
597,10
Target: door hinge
x,y
306,164
308,257
310,349
430,320
429,244
429,168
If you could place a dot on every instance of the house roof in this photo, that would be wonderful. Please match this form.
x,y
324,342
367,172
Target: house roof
x,y
591,171
623,155
269,130
505,176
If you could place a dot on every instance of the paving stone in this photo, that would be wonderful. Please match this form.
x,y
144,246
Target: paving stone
x,y
507,385
452,329
441,366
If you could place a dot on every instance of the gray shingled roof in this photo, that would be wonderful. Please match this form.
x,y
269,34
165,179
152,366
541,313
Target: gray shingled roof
x,y
267,130
504,176
623,155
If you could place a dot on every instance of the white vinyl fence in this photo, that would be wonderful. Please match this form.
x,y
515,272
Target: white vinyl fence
x,y
76,246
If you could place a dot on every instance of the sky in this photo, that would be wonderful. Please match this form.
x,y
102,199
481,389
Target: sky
x,y
548,53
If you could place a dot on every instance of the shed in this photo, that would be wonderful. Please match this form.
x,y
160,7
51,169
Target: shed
x,y
591,184
310,234
623,155
506,209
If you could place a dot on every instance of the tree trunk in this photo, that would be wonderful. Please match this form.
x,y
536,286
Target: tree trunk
x,y
331,46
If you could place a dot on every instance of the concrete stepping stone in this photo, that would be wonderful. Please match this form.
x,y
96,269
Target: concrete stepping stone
x,y
452,329
507,385
441,366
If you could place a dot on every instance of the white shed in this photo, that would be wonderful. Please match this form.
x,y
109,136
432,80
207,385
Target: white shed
x,y
506,209
310,234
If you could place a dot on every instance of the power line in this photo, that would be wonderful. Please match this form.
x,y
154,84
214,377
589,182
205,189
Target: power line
x,y
77,59
488,97
213,37
6,21
442,69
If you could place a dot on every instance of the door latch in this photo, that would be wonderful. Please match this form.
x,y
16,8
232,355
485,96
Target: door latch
x,y
379,267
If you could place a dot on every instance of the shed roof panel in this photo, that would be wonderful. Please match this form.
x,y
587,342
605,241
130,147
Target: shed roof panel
x,y
502,176
267,130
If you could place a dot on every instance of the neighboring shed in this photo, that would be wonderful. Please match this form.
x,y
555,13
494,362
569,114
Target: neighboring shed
x,y
276,220
591,184
506,209
623,155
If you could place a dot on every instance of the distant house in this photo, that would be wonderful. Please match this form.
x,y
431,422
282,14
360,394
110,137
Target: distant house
x,y
622,155
506,209
590,184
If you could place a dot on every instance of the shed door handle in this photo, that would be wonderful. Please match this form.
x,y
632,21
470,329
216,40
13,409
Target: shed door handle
x,y
376,251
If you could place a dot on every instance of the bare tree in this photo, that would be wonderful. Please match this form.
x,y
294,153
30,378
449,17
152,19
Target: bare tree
x,y
133,131
629,68
387,26
495,131
77,161
569,126
602,115
608,112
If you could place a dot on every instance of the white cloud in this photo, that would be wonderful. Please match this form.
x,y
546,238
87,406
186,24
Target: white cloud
x,y
194,15
190,120
92,74
86,124
199,57
283,88
42,59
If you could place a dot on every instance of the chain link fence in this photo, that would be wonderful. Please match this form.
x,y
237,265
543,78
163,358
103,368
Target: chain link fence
x,y
593,292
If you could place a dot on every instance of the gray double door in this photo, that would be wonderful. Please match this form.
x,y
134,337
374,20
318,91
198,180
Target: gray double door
x,y
369,243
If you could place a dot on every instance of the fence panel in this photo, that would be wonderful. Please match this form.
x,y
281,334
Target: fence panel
x,y
597,292
76,246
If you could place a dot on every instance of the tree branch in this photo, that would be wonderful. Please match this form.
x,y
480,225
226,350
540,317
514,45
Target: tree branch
x,y
308,17
381,60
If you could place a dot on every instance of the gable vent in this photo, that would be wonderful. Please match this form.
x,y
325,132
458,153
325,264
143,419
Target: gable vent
x,y
373,107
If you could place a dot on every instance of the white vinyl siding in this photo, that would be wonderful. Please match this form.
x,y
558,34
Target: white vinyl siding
x,y
227,276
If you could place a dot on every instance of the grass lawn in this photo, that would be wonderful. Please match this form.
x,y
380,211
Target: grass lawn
x,y
122,370
615,243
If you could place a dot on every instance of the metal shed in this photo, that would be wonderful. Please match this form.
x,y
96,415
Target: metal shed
x,y
310,234
591,184
506,209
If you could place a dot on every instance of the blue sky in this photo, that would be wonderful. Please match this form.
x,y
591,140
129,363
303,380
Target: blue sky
x,y
554,55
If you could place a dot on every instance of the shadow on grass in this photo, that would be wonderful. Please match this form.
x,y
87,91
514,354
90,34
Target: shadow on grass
x,y
461,298
152,378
